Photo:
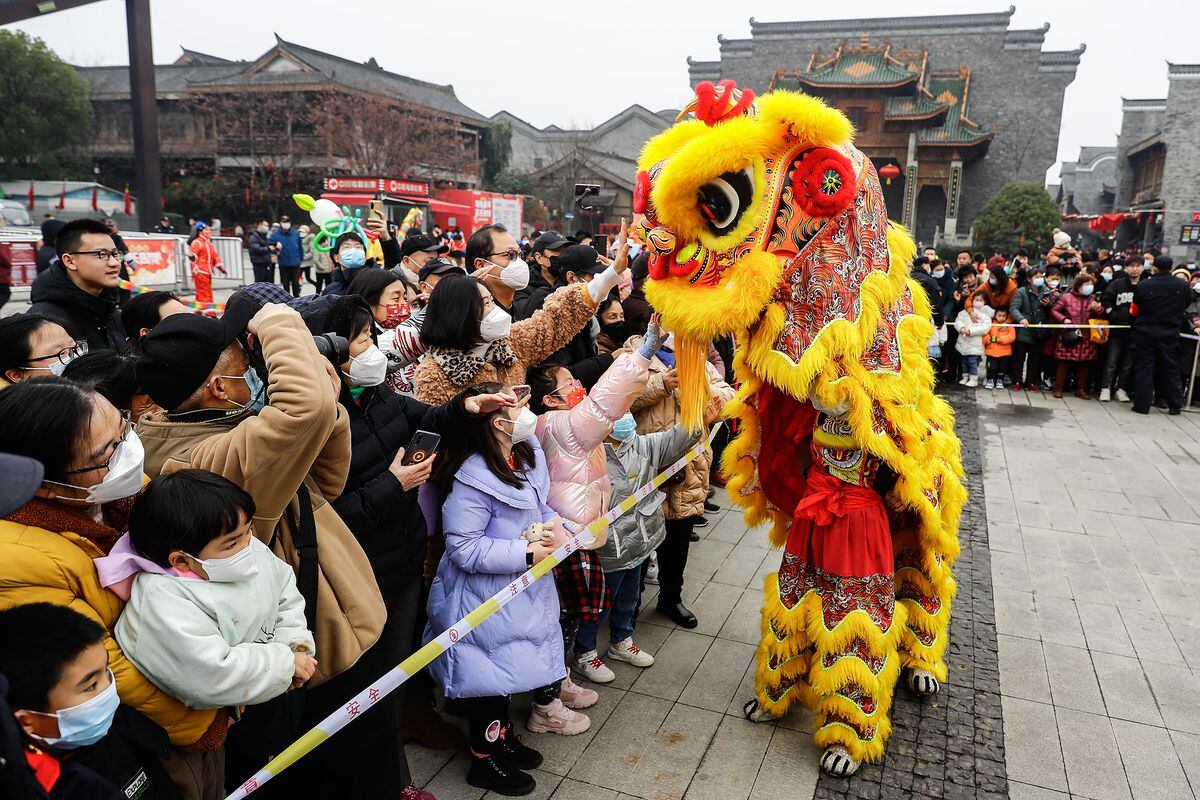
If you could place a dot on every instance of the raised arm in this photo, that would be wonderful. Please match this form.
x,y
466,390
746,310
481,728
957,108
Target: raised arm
x,y
269,454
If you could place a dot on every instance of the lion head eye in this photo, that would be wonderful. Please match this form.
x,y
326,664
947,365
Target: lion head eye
x,y
724,199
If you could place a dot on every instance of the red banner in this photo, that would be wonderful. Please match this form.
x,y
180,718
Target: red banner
x,y
368,184
153,261
23,256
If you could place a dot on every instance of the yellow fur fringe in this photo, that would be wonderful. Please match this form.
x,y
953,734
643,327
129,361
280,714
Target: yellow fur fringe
x,y
799,654
691,357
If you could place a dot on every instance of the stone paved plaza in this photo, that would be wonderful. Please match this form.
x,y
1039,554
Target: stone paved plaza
x,y
1084,520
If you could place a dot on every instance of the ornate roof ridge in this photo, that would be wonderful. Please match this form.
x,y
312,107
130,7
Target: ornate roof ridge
x,y
986,19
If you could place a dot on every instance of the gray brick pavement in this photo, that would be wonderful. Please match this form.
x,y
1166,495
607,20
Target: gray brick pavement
x,y
1096,547
675,731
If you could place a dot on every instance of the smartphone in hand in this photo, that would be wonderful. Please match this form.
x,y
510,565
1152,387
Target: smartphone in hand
x,y
420,448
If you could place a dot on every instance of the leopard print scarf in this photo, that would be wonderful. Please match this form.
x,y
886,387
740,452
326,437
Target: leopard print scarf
x,y
461,366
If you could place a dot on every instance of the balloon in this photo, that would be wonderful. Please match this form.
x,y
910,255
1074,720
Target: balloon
x,y
305,201
323,211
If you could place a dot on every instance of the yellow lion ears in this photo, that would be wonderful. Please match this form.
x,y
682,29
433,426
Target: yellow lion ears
x,y
807,118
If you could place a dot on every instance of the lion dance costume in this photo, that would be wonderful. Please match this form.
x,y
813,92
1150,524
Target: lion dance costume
x,y
765,221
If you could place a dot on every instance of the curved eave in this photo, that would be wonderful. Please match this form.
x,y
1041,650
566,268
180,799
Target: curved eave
x,y
846,85
982,140
931,116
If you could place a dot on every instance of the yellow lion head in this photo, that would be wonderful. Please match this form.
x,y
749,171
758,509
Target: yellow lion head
x,y
764,220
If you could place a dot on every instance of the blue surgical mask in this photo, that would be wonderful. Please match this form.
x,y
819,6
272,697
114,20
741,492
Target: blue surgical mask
x,y
1086,289
353,259
86,723
991,281
1039,282
258,392
624,428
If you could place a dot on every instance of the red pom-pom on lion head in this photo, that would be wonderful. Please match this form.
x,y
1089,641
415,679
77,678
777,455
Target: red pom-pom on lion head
x,y
823,183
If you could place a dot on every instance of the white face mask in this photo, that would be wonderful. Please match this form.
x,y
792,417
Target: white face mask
x,y
368,368
496,324
524,426
241,566
515,275
124,478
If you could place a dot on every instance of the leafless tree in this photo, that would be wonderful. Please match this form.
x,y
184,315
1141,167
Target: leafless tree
x,y
375,136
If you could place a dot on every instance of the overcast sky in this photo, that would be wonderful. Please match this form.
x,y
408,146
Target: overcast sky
x,y
576,64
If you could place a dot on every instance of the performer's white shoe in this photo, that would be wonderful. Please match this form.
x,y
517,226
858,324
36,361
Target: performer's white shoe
x,y
756,713
923,683
837,762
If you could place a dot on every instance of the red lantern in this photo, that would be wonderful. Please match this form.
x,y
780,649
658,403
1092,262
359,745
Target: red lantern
x,y
889,171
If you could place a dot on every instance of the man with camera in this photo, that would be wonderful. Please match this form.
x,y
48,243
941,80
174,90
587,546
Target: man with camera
x,y
287,443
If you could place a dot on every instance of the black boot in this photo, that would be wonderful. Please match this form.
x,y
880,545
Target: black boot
x,y
496,775
515,752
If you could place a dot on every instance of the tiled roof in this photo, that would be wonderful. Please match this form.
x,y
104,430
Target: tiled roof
x,y
858,69
958,129
919,107
201,70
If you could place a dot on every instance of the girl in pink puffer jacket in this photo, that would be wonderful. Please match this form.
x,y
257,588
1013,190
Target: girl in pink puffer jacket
x,y
572,427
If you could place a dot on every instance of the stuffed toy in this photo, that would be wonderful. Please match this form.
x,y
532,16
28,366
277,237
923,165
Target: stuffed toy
x,y
763,220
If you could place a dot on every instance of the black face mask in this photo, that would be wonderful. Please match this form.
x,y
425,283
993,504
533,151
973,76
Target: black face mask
x,y
617,331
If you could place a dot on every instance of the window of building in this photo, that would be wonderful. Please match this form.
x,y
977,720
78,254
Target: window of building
x,y
857,116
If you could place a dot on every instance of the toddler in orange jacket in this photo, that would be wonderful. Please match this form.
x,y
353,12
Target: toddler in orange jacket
x,y
997,346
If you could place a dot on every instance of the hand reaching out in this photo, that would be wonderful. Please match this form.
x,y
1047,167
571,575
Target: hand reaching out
x,y
671,379
621,261
487,403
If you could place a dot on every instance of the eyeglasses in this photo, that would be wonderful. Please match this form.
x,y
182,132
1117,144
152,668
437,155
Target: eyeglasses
x,y
126,429
511,255
103,255
66,355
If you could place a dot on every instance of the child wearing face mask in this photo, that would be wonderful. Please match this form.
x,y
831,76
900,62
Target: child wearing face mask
x,y
213,617
572,427
972,324
633,460
76,737
493,474
998,347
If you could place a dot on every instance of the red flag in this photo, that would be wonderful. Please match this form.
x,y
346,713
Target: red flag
x,y
31,195
62,198
128,202
95,205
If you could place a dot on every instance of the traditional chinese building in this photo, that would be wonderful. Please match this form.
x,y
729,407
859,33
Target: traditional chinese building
x,y
958,105
1157,194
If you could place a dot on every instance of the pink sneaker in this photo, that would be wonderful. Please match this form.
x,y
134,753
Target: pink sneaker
x,y
557,718
575,696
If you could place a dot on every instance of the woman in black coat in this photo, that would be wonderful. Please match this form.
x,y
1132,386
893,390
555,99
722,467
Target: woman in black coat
x,y
379,503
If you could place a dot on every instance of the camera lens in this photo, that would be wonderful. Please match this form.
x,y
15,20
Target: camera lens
x,y
333,347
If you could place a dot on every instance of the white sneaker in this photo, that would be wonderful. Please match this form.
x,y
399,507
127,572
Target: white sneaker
x,y
964,380
652,570
591,667
972,381
630,653
1105,395
1122,396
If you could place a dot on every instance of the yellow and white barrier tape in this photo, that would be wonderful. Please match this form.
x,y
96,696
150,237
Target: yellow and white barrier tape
x,y
397,675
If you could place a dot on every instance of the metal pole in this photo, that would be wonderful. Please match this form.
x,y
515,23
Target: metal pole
x,y
142,96
1192,382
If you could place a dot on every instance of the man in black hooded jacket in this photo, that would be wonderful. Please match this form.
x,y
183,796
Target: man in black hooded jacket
x,y
80,291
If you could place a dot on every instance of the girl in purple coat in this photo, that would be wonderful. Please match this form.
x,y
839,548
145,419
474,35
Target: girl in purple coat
x,y
493,475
